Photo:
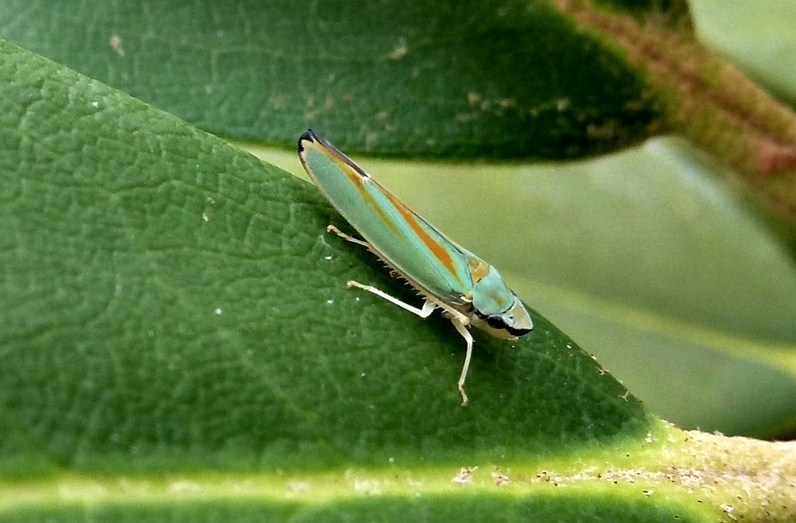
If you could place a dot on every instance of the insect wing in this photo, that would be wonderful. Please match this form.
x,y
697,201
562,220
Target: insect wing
x,y
401,237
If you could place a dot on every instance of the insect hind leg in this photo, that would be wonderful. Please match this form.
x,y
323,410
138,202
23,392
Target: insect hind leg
x,y
428,306
425,312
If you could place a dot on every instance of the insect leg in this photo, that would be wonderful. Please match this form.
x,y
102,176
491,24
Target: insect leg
x,y
469,339
332,228
425,312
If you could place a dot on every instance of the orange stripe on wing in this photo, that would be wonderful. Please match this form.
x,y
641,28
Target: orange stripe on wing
x,y
358,179
436,249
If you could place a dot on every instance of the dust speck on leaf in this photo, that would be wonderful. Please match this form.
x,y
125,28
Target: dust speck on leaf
x,y
400,50
116,45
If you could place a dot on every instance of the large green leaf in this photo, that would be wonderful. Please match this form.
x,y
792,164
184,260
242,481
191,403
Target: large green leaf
x,y
637,247
169,298
179,343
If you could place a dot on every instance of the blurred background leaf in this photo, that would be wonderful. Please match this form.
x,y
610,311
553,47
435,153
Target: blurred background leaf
x,y
418,79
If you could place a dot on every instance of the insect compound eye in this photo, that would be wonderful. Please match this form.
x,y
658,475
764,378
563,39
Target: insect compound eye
x,y
496,321
505,322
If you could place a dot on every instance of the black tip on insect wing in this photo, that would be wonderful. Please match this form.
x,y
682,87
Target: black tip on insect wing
x,y
307,136
312,137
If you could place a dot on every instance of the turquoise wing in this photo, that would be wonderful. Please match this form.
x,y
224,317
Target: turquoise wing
x,y
401,237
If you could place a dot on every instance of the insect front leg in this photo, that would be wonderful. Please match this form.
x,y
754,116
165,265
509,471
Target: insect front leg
x,y
332,228
463,376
